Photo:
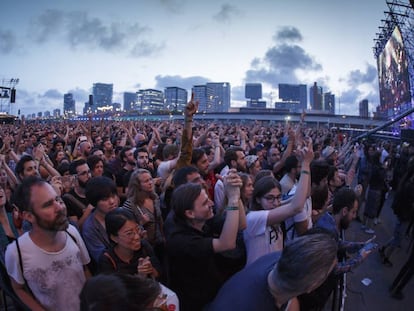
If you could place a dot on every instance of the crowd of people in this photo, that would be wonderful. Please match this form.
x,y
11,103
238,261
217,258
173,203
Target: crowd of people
x,y
100,215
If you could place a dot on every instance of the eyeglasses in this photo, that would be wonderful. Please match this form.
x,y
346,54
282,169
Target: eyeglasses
x,y
84,173
272,198
130,234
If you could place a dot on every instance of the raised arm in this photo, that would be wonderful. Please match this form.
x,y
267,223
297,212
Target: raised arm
x,y
297,203
227,239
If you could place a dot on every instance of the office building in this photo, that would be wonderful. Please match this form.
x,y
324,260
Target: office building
x,y
69,105
102,97
175,98
130,101
315,97
363,108
150,100
329,102
293,97
220,99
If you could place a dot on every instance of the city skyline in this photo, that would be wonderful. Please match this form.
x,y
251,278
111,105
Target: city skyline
x,y
57,48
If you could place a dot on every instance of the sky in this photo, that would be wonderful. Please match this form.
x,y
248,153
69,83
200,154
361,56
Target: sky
x,y
55,47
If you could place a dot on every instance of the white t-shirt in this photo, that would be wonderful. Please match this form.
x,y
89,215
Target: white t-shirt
x,y
259,238
55,278
305,214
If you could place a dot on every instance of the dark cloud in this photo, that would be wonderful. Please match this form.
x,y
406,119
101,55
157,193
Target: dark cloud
x,y
288,34
226,13
358,77
52,94
279,65
82,31
46,25
8,41
178,81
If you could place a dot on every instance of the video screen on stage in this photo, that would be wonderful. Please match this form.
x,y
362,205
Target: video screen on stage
x,y
394,83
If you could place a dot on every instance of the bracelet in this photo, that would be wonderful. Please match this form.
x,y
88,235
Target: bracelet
x,y
189,120
305,172
232,208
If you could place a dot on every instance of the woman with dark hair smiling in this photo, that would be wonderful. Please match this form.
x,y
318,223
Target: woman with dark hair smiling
x,y
129,253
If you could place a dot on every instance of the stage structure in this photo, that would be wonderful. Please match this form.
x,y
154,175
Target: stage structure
x,y
7,94
394,51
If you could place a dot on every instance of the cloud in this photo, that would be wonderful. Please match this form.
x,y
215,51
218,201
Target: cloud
x,y
52,94
178,81
288,34
279,65
238,93
82,31
80,95
174,6
8,41
358,77
226,13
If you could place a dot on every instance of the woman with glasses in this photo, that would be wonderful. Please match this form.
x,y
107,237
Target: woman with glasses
x,y
264,232
129,253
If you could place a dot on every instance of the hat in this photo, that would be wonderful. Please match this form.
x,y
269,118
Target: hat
x,y
328,151
250,159
259,147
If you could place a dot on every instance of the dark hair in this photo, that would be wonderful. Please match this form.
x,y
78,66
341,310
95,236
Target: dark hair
x,y
23,193
116,219
180,176
75,164
344,197
183,199
331,172
263,173
319,170
197,155
291,162
63,167
140,149
231,154
122,153
20,164
92,160
261,187
319,196
118,291
99,188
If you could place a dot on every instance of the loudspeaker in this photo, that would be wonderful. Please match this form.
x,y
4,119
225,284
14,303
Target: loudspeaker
x,y
13,96
90,100
407,135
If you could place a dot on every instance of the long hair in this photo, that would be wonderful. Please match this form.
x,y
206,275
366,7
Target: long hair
x,y
135,193
261,187
183,199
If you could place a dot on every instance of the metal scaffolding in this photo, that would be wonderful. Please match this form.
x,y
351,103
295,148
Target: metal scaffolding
x,y
7,94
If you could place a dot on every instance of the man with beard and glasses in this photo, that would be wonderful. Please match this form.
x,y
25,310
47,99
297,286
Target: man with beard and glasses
x,y
47,265
77,204
344,211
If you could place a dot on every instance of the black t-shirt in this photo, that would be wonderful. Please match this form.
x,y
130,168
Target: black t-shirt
x,y
75,204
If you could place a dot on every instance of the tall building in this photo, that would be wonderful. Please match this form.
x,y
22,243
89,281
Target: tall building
x,y
315,93
130,101
203,94
220,100
102,97
253,94
329,102
294,97
69,105
363,108
56,113
150,100
175,98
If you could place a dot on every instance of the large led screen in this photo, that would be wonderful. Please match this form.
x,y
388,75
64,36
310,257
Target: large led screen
x,y
394,85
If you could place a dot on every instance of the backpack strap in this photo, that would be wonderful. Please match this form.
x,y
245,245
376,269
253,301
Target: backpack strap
x,y
107,255
19,252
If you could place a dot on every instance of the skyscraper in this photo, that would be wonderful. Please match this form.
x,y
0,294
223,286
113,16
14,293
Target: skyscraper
x,y
102,96
329,102
293,96
130,101
363,108
315,93
175,98
69,104
150,100
203,94
220,97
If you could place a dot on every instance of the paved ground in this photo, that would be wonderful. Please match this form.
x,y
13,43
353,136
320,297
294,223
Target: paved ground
x,y
376,296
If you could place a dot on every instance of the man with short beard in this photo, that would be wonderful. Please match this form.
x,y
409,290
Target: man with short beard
x,y
47,265
77,204
129,162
